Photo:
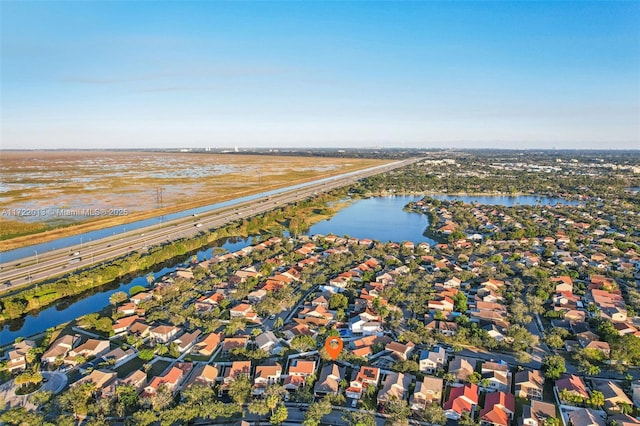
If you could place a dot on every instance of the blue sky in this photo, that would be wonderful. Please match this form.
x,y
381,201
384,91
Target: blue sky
x,y
324,74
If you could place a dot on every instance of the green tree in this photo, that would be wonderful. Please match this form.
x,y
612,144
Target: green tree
x,y
20,416
316,411
240,389
77,398
553,366
521,338
434,414
258,408
126,400
467,420
338,301
41,398
460,300
302,343
118,297
136,289
162,398
596,400
280,415
359,418
551,421
398,411
278,323
143,418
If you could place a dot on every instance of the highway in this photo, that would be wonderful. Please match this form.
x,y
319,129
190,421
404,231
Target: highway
x,y
41,266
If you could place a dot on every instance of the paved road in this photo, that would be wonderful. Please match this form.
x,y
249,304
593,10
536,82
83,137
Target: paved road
x,y
56,382
40,266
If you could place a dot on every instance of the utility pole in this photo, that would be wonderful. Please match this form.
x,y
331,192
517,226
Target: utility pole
x,y
36,252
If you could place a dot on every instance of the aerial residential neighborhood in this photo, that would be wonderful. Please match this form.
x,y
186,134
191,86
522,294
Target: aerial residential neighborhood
x,y
427,327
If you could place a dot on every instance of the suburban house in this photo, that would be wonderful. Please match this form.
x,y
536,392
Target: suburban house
x,y
265,375
461,368
187,340
139,329
231,343
101,378
208,345
536,413
529,384
171,380
302,367
60,348
268,342
119,356
141,297
441,304
365,377
498,410
364,326
498,376
163,333
447,328
127,308
586,417
329,380
231,373
614,396
396,385
207,303
462,399
90,348
299,370
123,324
18,355
243,310
432,361
137,379
399,350
204,375
427,392
573,384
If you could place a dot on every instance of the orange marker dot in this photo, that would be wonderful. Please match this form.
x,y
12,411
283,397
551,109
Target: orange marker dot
x,y
333,345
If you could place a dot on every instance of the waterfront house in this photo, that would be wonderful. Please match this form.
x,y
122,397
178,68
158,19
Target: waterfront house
x,y
18,355
60,348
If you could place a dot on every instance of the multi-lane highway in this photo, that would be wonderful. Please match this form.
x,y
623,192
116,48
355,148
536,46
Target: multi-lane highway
x,y
42,266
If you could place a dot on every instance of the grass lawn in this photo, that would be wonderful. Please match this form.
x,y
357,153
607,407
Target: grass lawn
x,y
158,367
196,358
128,367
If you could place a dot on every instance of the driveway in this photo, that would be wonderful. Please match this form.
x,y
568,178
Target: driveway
x,y
56,382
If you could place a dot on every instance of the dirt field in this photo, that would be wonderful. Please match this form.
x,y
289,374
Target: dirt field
x,y
43,192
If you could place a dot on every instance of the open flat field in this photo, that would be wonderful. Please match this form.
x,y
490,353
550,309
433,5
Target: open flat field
x,y
47,192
